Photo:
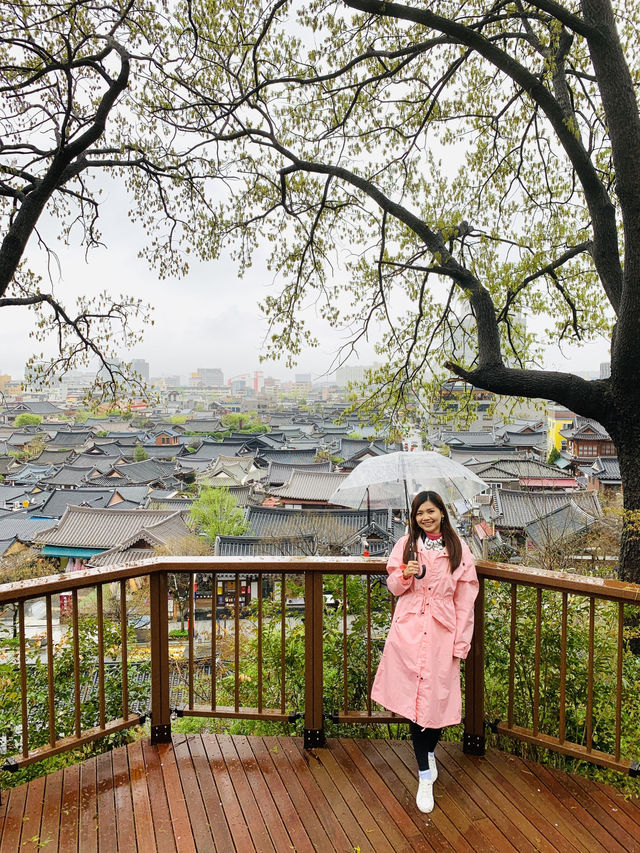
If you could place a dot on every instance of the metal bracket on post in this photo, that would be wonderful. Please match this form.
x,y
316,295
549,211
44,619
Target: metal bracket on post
x,y
473,744
314,738
634,768
161,734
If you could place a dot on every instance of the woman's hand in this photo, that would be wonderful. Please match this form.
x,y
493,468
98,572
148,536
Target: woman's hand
x,y
412,568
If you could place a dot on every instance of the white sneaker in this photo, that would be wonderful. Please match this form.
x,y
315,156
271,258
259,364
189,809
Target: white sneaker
x,y
424,797
433,767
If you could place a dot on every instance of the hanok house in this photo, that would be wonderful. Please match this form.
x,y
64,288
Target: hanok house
x,y
583,442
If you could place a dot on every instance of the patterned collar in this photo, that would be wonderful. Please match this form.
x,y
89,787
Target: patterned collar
x,y
432,544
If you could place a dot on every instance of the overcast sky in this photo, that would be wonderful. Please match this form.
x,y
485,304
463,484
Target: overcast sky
x,y
209,319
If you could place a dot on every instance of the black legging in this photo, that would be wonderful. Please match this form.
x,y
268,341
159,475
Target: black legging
x,y
424,742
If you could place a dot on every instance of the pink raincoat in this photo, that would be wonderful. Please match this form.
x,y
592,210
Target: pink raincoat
x,y
419,672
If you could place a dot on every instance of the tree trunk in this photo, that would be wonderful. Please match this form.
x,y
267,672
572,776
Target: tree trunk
x,y
626,436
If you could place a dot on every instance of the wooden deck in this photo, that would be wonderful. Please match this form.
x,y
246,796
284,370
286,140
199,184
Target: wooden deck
x,y
222,793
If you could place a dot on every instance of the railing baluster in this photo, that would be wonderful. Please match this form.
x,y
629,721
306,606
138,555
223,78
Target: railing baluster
x,y
76,663
512,652
236,647
474,740
214,639
190,635
23,681
124,650
536,676
101,687
345,673
283,601
590,675
563,669
260,703
619,678
50,676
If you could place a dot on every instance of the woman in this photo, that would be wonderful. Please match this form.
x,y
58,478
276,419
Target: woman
x,y
433,574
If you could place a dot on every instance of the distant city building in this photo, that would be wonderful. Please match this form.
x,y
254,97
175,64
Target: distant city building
x,y
141,367
207,377
353,374
605,369
558,418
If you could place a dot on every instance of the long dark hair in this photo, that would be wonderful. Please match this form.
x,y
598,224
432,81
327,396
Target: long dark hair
x,y
450,537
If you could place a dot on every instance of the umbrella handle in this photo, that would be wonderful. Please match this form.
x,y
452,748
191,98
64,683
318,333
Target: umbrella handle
x,y
422,572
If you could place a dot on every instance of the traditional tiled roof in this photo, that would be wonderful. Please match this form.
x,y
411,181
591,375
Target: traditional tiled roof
x,y
33,408
101,463
85,527
280,472
606,469
586,428
29,474
67,439
505,470
291,457
10,494
309,486
131,549
211,450
559,524
52,457
20,525
182,504
68,476
520,508
60,499
339,523
257,546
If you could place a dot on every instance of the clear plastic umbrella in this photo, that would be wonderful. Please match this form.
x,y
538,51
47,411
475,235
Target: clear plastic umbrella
x,y
393,479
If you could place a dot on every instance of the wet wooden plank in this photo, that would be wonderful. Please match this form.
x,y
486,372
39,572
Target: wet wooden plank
x,y
12,823
145,837
299,767
50,826
385,795
211,800
357,793
88,831
618,824
536,801
165,842
517,811
275,784
32,819
250,808
436,827
311,825
202,837
70,810
587,823
276,828
175,797
107,835
228,798
468,771
125,825
448,802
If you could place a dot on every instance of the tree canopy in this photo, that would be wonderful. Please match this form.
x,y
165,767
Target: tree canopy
x,y
446,170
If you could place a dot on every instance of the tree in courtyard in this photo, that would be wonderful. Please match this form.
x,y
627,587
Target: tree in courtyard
x,y
27,419
443,169
216,513
19,565
180,582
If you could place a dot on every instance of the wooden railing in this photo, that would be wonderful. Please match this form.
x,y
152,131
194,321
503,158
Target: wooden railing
x,y
357,632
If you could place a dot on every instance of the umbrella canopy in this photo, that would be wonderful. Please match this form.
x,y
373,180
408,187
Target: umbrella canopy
x,y
393,479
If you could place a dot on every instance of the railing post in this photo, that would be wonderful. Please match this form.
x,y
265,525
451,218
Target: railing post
x,y
313,686
473,742
159,617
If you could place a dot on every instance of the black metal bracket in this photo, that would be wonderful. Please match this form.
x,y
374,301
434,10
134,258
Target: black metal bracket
x,y
177,712
473,744
11,765
334,717
314,738
161,734
634,768
142,719
295,715
492,726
